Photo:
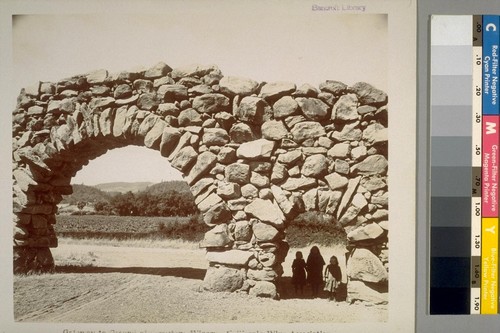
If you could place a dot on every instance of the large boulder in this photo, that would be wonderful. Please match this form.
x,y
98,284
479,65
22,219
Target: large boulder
x,y
284,107
233,85
252,109
346,108
221,278
313,108
228,190
368,94
264,232
274,130
365,266
193,70
369,231
241,132
265,211
263,289
290,157
189,117
226,155
293,184
255,150
360,291
237,173
375,133
249,191
373,164
172,92
215,137
315,166
217,214
184,158
350,132
211,103
334,87
217,237
275,90
307,130
160,69
310,199
262,275
204,163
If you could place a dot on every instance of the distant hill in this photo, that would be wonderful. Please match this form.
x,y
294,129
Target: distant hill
x,y
104,192
123,187
86,194
174,185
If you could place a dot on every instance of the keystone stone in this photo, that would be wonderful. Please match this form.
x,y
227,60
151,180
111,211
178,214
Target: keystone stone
x,y
265,211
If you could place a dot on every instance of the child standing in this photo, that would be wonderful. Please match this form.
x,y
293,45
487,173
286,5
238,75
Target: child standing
x,y
299,273
333,277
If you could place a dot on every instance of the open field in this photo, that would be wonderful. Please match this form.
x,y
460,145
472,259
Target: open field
x,y
299,233
129,227
111,284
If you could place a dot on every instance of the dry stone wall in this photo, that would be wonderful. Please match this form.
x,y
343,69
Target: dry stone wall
x,y
254,154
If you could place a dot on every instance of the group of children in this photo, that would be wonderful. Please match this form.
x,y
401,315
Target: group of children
x,y
312,273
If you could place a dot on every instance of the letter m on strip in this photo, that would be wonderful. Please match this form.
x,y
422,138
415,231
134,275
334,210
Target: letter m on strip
x,y
491,128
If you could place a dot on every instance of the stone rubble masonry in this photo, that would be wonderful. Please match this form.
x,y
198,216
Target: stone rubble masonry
x,y
254,155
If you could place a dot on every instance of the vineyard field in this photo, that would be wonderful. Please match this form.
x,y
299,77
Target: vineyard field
x,y
128,227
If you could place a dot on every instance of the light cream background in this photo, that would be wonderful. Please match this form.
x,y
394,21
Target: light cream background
x,y
269,40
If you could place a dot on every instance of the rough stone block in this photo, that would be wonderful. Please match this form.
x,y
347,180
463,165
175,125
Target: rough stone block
x,y
265,211
263,289
365,266
231,257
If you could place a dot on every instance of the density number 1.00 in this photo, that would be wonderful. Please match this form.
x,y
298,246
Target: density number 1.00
x,y
477,209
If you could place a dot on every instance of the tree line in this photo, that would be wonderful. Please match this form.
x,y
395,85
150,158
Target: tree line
x,y
171,203
171,198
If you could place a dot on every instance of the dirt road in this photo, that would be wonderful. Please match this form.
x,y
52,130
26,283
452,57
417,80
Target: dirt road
x,y
126,285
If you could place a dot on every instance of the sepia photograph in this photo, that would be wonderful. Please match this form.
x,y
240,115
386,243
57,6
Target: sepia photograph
x,y
208,163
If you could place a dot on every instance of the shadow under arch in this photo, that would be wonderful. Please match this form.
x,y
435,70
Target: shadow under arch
x,y
254,155
183,272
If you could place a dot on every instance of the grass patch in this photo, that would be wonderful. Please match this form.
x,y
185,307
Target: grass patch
x,y
139,243
77,259
315,228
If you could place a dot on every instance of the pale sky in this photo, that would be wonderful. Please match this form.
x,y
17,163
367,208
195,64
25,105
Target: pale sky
x,y
264,43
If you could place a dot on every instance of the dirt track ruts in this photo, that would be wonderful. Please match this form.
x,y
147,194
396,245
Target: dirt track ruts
x,y
114,291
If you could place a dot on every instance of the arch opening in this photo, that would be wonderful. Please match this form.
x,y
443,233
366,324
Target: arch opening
x,y
255,155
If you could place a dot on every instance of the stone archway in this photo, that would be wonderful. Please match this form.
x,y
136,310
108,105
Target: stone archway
x,y
254,154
